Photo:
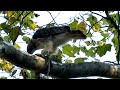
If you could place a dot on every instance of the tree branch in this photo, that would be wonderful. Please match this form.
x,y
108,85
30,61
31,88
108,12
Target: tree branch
x,y
60,70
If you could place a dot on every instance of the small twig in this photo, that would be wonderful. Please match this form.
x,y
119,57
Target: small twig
x,y
55,16
20,26
52,16
97,14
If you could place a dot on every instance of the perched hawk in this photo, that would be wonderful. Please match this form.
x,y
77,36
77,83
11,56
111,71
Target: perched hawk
x,y
49,39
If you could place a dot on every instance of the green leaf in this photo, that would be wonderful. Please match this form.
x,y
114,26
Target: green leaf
x,y
92,19
96,26
68,50
32,74
75,49
89,35
3,25
73,25
68,61
14,32
88,43
91,52
116,45
79,60
26,39
105,34
17,46
59,55
13,73
7,38
101,50
100,43
105,21
83,49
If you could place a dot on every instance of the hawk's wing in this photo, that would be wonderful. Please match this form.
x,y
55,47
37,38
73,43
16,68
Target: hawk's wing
x,y
52,31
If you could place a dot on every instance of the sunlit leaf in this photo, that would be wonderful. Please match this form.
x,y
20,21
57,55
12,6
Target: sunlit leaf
x,y
33,25
68,50
9,13
104,34
7,67
100,43
17,46
73,24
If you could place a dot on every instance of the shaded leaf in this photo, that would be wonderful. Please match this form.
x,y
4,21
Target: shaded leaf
x,y
3,25
83,49
116,45
13,73
89,35
82,27
87,42
14,33
101,50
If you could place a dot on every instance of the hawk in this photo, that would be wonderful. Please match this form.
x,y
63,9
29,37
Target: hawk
x,y
49,39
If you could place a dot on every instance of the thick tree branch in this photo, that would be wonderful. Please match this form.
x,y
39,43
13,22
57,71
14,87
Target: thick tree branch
x,y
20,59
60,70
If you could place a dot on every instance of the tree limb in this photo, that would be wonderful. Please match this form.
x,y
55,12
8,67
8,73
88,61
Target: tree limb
x,y
60,70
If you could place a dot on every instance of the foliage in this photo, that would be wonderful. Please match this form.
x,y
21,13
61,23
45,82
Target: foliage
x,y
18,22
